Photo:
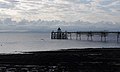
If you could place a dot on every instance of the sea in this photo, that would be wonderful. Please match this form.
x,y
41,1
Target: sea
x,y
27,42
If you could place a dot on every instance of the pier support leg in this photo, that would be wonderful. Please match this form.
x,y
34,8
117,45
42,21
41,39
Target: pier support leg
x,y
76,36
87,37
52,35
101,38
117,37
91,37
70,36
55,37
104,38
66,35
80,36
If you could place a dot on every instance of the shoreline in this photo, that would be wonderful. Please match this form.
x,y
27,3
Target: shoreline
x,y
58,50
72,50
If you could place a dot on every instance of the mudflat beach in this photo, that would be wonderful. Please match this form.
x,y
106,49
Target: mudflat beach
x,y
65,60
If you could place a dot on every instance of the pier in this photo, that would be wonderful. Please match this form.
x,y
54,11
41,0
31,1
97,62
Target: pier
x,y
59,34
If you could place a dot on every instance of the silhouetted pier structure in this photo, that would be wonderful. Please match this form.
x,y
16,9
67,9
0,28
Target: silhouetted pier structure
x,y
90,34
59,34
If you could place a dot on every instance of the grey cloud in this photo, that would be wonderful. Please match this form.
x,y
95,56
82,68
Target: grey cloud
x,y
6,5
106,2
79,1
110,6
15,1
68,10
10,4
47,8
4,16
29,12
115,6
34,0
47,26
106,9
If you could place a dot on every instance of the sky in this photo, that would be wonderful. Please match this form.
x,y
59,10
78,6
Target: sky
x,y
16,14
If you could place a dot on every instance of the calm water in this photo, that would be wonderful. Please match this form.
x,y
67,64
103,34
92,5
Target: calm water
x,y
17,42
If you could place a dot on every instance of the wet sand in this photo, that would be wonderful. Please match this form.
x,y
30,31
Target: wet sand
x,y
67,60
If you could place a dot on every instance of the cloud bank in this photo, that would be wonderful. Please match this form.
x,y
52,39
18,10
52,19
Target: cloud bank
x,y
66,10
45,15
9,25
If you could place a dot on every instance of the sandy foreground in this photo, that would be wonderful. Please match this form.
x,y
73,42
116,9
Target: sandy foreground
x,y
66,60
